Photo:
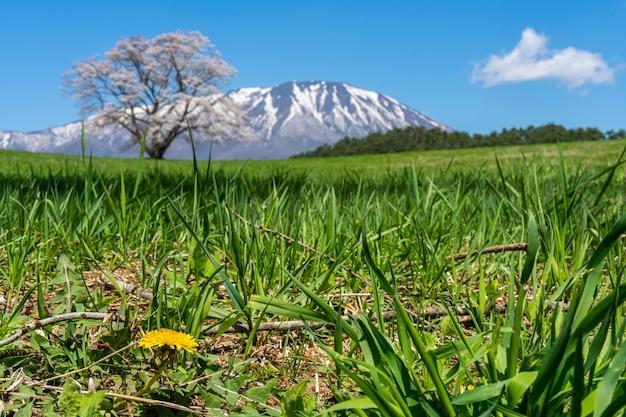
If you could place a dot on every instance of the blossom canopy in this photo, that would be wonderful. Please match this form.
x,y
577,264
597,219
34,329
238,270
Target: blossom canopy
x,y
170,338
158,89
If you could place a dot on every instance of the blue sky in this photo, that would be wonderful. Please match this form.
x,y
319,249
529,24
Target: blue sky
x,y
476,66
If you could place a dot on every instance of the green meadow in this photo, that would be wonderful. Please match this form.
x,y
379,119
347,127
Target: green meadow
x,y
586,153
445,283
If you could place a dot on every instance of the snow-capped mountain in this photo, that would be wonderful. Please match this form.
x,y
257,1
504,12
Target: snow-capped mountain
x,y
286,119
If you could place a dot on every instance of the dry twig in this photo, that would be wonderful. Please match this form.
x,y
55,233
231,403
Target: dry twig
x,y
521,246
291,241
161,403
37,324
425,314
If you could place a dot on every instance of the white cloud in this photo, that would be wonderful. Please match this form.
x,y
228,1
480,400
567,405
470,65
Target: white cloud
x,y
532,60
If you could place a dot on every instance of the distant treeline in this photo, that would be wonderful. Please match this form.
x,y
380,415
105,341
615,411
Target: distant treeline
x,y
417,138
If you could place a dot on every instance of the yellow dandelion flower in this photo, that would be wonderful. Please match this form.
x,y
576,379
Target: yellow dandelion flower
x,y
465,388
170,338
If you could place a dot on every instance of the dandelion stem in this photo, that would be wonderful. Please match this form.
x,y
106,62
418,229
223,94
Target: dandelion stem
x,y
166,362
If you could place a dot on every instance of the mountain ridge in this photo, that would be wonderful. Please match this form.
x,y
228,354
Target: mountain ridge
x,y
285,119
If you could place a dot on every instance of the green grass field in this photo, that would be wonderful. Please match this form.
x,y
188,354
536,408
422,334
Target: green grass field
x,y
585,153
471,283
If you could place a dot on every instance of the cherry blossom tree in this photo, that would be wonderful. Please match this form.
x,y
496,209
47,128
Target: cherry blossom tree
x,y
161,87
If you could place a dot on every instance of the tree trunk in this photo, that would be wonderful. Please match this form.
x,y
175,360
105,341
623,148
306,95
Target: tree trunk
x,y
156,152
